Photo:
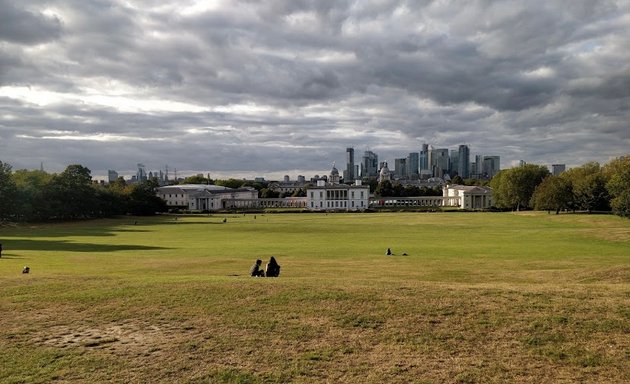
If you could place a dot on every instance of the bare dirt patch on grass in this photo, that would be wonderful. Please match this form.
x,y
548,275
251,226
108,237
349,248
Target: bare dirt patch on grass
x,y
125,338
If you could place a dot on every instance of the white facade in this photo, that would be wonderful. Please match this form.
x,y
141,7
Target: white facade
x,y
470,197
201,197
338,197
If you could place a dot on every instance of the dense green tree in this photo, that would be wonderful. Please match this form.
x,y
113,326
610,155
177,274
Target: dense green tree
x,y
373,183
553,193
617,173
458,180
397,190
143,199
267,193
8,192
589,187
70,194
384,189
197,179
31,186
513,188
230,183
299,193
411,191
254,184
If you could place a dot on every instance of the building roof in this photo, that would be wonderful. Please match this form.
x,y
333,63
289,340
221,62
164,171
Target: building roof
x,y
339,186
471,188
200,189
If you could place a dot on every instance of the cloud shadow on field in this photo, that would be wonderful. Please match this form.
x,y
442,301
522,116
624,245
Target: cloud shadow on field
x,y
9,256
68,246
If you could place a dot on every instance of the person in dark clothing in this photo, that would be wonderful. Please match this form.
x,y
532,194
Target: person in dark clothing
x,y
255,271
26,270
272,269
0,250
389,252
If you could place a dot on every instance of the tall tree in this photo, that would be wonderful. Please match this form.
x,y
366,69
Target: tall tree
x,y
31,186
589,187
618,185
143,199
70,194
513,188
8,192
553,193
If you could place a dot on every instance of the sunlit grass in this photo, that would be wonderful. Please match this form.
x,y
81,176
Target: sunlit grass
x,y
478,298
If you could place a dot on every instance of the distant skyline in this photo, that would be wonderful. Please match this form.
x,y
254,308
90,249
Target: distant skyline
x,y
248,89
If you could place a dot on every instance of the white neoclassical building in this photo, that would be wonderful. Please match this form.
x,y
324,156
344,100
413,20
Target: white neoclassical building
x,y
333,196
468,196
201,197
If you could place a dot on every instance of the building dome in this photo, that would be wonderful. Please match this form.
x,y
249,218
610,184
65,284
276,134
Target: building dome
x,y
334,176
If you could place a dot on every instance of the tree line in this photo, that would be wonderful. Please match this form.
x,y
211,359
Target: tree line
x,y
36,195
589,188
39,196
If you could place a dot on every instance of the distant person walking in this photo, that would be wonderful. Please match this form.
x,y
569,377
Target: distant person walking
x,y
273,268
0,250
388,252
255,271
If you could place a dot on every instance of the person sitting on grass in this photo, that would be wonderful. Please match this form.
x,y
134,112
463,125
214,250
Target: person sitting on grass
x,y
255,271
272,269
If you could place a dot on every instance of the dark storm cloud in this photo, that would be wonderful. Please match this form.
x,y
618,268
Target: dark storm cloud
x,y
263,87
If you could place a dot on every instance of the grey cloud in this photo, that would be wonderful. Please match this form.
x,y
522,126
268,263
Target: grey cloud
x,y
26,26
510,78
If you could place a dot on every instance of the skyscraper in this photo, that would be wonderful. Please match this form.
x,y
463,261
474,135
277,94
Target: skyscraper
x,y
423,161
454,163
463,169
112,175
348,174
491,166
413,165
400,168
141,175
557,169
439,161
369,164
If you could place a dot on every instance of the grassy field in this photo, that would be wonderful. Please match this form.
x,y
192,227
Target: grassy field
x,y
480,298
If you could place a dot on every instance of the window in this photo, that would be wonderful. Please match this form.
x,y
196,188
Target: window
x,y
321,195
312,194
352,194
361,194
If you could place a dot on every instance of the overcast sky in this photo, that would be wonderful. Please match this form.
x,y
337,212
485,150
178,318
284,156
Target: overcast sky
x,y
267,88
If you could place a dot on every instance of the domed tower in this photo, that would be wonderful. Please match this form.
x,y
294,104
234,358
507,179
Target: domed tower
x,y
334,176
385,174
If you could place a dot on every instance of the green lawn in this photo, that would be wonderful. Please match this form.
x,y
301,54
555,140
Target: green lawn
x,y
480,298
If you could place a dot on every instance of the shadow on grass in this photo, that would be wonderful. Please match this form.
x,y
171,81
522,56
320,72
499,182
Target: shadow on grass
x,y
10,257
93,228
67,246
